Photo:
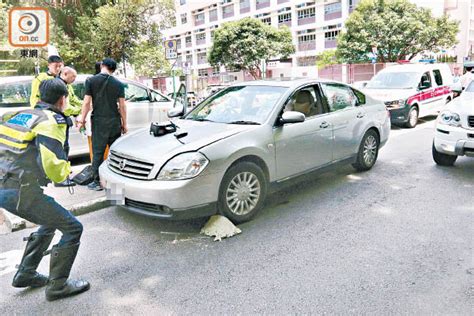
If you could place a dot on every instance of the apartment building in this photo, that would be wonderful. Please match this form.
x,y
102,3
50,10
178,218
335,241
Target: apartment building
x,y
313,23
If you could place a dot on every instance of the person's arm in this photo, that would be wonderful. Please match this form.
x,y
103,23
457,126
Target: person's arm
x,y
123,114
86,105
34,97
74,104
50,137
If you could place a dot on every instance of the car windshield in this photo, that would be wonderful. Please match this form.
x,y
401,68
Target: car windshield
x,y
238,105
393,80
470,87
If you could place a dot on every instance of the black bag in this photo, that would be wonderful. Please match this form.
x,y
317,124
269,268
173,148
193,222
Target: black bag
x,y
84,177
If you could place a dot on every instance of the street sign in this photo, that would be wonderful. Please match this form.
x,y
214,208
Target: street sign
x,y
373,60
170,49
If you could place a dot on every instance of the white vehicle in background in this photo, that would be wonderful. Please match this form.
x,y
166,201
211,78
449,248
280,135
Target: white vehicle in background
x,y
454,135
411,91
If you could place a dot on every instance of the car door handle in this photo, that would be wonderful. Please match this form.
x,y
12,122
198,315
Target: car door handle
x,y
324,125
360,115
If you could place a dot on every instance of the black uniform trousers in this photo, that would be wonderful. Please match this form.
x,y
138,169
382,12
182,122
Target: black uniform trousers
x,y
29,202
105,131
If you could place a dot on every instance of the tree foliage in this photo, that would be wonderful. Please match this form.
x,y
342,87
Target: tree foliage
x,y
243,44
399,29
327,58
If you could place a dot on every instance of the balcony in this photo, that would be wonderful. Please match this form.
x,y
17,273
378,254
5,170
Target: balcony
x,y
212,16
189,44
228,12
332,16
309,20
262,5
201,41
282,1
304,46
330,43
198,22
287,23
201,61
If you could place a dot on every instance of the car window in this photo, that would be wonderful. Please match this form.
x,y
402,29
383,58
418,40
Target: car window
x,y
425,80
134,93
156,97
307,101
338,96
360,96
15,94
438,77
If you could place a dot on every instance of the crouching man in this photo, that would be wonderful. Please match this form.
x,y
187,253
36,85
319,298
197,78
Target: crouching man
x,y
31,156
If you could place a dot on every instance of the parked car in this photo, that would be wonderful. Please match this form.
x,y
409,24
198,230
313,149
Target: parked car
x,y
144,104
454,135
223,155
412,91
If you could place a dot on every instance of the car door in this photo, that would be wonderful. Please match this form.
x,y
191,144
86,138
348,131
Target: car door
x,y
439,91
140,109
426,94
303,146
345,117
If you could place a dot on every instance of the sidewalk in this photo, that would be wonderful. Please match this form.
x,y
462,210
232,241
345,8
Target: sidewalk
x,y
82,201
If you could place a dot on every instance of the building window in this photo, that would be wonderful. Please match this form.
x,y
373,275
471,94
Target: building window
x,y
202,58
202,72
226,1
306,13
189,59
184,18
212,34
332,8
307,38
182,2
199,18
200,38
267,21
213,15
282,18
228,11
178,43
331,36
306,61
244,4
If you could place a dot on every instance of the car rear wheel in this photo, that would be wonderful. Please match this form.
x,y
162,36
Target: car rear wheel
x,y
242,192
368,151
443,159
412,118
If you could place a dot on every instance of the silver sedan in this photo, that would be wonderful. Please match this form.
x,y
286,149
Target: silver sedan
x,y
223,155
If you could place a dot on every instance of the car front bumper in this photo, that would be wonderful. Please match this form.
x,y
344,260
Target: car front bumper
x,y
180,199
454,140
400,115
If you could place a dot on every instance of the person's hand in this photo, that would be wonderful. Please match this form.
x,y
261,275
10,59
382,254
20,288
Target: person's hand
x,y
79,123
124,129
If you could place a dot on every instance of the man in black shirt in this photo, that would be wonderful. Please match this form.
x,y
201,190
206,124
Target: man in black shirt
x,y
109,114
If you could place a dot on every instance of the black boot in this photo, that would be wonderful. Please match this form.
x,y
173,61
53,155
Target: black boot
x,y
26,274
61,262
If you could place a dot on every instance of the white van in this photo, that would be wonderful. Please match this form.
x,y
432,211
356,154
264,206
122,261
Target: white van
x,y
412,90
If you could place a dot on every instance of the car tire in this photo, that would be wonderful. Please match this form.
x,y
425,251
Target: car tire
x,y
242,192
412,118
368,151
443,159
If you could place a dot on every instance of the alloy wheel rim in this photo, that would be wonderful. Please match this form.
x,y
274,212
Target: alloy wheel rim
x,y
370,150
243,193
413,117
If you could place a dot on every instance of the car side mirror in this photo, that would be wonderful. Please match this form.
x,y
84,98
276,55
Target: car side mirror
x,y
178,111
292,117
424,85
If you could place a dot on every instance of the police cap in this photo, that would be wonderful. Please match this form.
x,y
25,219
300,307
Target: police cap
x,y
54,59
52,90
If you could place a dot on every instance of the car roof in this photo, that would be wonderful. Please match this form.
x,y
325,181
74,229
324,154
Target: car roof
x,y
284,82
413,67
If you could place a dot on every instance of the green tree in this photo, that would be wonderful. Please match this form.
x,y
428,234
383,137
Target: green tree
x,y
327,58
243,44
398,28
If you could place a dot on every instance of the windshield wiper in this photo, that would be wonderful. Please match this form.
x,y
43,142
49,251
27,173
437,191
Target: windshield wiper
x,y
244,123
200,119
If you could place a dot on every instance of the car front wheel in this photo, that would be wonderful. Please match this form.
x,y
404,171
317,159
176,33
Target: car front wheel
x,y
242,192
443,159
368,151
412,118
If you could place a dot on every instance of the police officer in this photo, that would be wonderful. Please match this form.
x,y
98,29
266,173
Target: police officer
x,y
55,63
31,155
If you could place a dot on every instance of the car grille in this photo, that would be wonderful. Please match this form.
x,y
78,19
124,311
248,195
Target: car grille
x,y
129,167
155,208
470,121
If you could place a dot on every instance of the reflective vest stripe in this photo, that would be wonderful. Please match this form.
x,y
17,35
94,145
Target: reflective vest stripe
x,y
12,144
15,134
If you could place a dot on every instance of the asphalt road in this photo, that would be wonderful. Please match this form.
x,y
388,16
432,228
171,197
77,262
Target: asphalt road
x,y
395,240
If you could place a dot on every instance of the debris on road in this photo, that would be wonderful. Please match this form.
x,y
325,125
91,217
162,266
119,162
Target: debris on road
x,y
220,227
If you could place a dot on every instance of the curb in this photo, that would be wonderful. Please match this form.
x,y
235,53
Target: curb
x,y
14,223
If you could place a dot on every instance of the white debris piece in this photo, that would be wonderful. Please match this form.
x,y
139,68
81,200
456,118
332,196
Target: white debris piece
x,y
220,227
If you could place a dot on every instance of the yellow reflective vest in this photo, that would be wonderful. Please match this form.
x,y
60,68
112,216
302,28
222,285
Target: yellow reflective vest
x,y
35,93
74,105
32,143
